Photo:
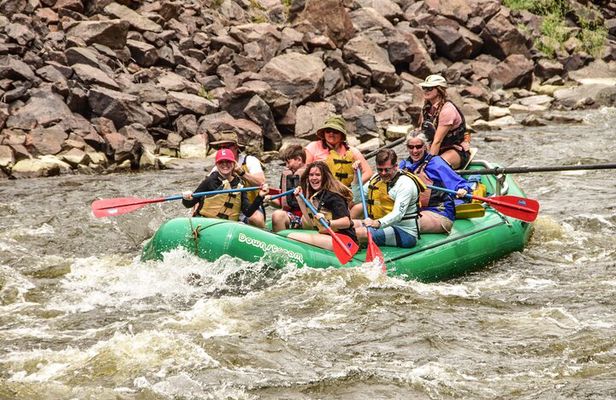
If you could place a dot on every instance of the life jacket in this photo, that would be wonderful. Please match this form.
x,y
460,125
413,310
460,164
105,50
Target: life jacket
x,y
224,206
380,203
252,195
319,204
290,180
429,197
341,166
429,125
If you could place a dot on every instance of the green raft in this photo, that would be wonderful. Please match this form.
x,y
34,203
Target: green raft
x,y
472,244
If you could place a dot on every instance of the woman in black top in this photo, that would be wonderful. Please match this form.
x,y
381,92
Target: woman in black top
x,y
331,199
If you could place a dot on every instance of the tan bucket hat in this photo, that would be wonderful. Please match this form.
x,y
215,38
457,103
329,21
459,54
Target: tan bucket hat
x,y
226,137
335,122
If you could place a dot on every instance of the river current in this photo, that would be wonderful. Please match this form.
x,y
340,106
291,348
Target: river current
x,y
82,318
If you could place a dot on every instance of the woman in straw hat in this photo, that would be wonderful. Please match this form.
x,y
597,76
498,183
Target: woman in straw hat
x,y
443,123
333,148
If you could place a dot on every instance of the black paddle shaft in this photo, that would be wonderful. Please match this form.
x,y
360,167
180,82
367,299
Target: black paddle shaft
x,y
524,170
387,146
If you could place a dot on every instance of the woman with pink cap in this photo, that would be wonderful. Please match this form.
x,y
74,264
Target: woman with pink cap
x,y
227,206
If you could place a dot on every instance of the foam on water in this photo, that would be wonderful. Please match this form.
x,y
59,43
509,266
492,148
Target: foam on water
x,y
116,358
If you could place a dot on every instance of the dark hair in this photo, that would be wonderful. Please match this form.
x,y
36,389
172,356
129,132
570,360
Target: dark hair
x,y
385,155
328,181
293,151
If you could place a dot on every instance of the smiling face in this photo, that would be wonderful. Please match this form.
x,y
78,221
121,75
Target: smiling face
x,y
315,179
417,149
430,94
387,170
333,137
225,167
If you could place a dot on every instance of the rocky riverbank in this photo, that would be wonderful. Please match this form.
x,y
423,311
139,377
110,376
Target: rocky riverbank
x,y
96,86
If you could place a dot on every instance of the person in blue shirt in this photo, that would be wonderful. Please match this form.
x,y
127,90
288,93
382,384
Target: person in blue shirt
x,y
437,208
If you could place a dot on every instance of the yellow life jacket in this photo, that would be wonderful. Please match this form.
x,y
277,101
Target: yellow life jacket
x,y
252,195
341,166
380,203
224,206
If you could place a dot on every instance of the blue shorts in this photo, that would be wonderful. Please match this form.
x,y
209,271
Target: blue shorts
x,y
296,220
392,236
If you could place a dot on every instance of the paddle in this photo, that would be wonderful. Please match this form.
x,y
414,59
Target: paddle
x,y
524,170
123,205
344,247
387,146
373,250
288,192
512,206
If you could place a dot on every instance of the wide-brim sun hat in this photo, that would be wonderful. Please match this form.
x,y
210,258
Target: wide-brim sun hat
x,y
335,122
224,155
434,81
226,137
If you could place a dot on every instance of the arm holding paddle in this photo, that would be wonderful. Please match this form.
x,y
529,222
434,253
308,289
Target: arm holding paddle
x,y
373,252
339,223
521,208
343,246
359,197
361,163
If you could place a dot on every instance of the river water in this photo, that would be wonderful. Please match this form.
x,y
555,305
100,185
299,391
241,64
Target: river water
x,y
82,318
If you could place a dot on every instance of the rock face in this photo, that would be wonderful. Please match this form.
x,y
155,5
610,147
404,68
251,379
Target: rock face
x,y
89,86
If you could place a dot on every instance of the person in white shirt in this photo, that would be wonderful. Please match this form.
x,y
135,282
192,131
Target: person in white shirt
x,y
392,202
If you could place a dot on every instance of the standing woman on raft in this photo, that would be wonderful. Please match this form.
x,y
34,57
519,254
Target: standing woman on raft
x,y
443,123
331,200
332,147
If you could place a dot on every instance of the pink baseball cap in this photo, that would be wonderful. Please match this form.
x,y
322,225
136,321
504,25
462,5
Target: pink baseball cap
x,y
224,155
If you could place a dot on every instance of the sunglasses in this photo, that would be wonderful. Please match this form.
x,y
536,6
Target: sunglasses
x,y
225,146
427,89
415,146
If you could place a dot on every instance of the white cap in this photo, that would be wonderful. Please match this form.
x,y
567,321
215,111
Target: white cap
x,y
433,81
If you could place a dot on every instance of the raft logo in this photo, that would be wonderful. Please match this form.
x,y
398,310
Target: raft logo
x,y
270,248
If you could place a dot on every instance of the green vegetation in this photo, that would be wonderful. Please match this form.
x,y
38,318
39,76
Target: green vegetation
x,y
554,29
203,92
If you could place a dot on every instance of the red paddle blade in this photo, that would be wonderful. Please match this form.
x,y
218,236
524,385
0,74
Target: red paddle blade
x,y
118,206
374,253
344,247
515,207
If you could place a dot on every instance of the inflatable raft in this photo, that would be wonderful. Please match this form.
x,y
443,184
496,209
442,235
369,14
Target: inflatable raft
x,y
472,244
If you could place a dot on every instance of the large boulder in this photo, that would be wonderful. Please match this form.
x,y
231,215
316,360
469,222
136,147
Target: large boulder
x,y
298,76
121,108
502,38
365,52
43,108
331,17
111,33
514,71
